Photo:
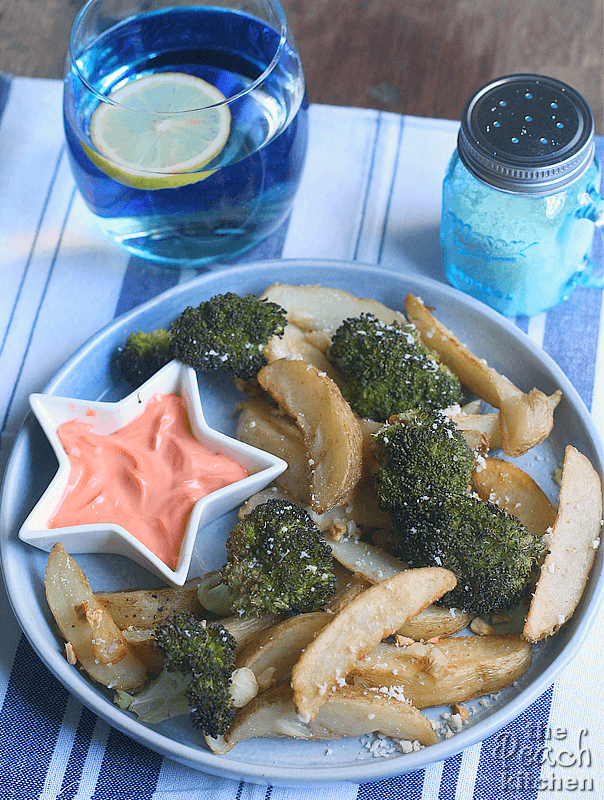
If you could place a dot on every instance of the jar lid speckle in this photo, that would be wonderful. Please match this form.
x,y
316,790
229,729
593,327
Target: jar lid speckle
x,y
527,134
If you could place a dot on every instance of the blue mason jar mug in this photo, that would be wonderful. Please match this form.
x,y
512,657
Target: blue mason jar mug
x,y
520,197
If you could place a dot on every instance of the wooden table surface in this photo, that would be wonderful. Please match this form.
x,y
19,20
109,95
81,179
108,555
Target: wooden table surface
x,y
422,57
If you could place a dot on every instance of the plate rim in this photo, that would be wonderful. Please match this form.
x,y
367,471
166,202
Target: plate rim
x,y
294,776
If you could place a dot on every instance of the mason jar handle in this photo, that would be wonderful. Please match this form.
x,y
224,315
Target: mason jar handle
x,y
594,212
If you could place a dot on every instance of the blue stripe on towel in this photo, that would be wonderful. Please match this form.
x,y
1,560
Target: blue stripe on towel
x,y
77,757
510,760
575,352
32,712
127,763
36,236
376,136
408,786
392,184
5,81
144,280
449,778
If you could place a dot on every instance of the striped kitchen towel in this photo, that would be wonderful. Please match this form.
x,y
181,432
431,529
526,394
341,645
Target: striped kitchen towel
x,y
374,199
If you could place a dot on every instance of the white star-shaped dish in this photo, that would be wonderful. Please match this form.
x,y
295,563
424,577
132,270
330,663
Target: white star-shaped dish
x,y
106,418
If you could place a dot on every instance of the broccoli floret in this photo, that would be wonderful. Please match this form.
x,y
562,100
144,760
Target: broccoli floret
x,y
490,551
422,454
278,561
387,371
227,332
143,355
202,654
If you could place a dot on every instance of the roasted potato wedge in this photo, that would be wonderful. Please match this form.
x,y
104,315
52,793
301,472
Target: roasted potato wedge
x,y
147,608
512,489
451,671
331,431
349,712
348,587
572,543
435,622
358,628
481,431
268,428
88,628
272,655
352,711
300,343
372,565
370,562
524,419
320,308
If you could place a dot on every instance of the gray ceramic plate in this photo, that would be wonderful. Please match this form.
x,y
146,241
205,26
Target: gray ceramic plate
x,y
88,375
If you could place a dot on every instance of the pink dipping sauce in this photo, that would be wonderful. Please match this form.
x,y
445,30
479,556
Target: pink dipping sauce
x,y
146,476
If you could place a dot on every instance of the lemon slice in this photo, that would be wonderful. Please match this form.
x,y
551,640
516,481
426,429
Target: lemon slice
x,y
161,133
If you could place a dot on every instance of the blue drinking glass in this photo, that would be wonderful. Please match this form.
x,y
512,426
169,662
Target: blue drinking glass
x,y
186,124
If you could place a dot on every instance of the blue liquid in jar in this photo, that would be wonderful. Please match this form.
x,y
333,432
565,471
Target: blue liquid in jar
x,y
519,254
257,172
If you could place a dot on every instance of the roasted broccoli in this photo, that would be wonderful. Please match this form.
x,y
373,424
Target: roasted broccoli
x,y
422,454
143,355
227,332
490,551
278,561
424,482
386,370
199,661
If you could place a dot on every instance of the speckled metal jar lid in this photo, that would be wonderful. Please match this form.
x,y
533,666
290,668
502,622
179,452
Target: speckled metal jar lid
x,y
526,134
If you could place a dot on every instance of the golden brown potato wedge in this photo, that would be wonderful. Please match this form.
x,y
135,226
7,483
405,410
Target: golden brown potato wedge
x,y
435,622
320,308
274,652
268,428
524,419
331,431
353,711
349,712
147,608
90,631
451,671
348,587
370,565
512,489
358,628
572,544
